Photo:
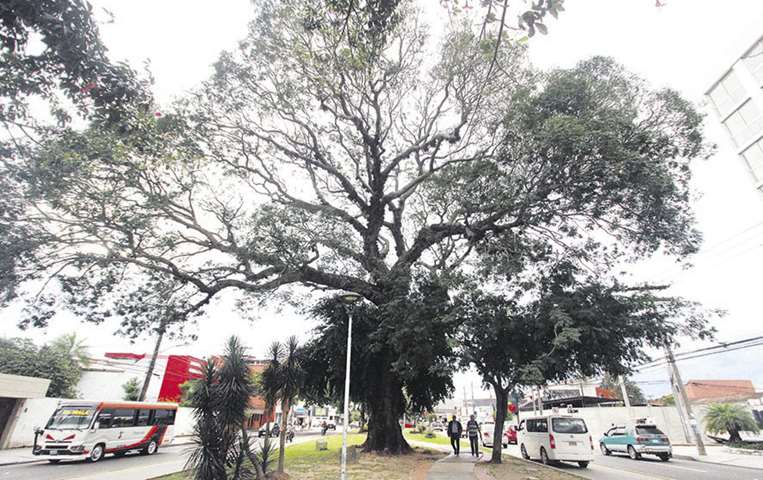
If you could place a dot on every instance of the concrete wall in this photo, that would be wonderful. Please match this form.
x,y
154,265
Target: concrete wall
x,y
600,419
18,386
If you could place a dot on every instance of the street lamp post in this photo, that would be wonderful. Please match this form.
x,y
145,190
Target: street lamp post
x,y
348,299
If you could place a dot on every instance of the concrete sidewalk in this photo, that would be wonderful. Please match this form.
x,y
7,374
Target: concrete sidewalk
x,y
454,468
15,456
720,455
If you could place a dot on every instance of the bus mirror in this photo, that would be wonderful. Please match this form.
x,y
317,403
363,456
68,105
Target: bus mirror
x,y
38,430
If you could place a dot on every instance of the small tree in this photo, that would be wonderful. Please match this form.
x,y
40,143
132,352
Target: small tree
x,y
132,390
73,346
187,390
283,380
570,326
732,418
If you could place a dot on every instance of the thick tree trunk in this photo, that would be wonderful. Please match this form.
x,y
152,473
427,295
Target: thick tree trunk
x,y
501,406
282,436
734,436
385,407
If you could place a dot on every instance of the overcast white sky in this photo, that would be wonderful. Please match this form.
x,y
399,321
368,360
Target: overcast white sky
x,y
685,45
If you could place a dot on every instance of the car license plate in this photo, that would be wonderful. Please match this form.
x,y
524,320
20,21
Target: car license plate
x,y
54,452
573,444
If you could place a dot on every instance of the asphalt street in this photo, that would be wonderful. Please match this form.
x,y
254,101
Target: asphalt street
x,y
130,467
621,467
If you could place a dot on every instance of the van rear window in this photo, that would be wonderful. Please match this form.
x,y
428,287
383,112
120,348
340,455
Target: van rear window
x,y
569,425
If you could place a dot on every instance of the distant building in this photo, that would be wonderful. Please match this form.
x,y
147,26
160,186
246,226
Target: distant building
x,y
103,378
719,390
737,98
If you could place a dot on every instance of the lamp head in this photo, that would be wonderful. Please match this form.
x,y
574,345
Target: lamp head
x,y
350,298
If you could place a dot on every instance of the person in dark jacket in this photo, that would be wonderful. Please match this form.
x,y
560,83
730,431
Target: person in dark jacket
x,y
473,431
454,432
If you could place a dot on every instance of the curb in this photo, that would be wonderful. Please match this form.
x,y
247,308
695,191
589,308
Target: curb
x,y
695,459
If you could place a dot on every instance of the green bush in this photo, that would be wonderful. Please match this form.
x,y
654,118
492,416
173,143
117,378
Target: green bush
x,y
747,445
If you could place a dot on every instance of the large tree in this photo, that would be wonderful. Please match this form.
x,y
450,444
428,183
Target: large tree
x,y
22,357
319,155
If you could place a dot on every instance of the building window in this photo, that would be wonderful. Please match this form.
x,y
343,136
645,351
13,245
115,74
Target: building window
x,y
728,93
754,158
754,61
745,123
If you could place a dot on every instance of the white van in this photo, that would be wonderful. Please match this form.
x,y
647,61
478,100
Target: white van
x,y
89,430
554,438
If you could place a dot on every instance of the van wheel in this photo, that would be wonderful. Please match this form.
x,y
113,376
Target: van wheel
x,y
583,464
96,453
151,448
524,452
633,453
505,445
544,456
664,457
54,461
604,449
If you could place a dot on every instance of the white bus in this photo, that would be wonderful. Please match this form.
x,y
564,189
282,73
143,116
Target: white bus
x,y
89,430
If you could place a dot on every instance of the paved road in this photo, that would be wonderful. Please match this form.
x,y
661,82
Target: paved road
x,y
130,467
620,467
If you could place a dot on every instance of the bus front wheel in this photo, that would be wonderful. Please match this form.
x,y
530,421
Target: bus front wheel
x,y
151,448
96,453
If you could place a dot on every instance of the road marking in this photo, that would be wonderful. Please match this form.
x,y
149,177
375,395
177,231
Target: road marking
x,y
673,465
134,467
631,472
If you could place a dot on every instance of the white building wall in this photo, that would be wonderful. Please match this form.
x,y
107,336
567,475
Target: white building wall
x,y
105,384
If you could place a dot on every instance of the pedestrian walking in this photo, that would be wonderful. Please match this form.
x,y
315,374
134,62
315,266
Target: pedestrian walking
x,y
473,431
454,432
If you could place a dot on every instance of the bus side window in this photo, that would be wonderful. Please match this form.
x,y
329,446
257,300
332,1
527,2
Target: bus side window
x,y
143,418
163,417
105,418
124,418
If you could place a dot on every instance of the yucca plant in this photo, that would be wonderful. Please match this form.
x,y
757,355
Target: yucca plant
x,y
282,381
207,460
732,418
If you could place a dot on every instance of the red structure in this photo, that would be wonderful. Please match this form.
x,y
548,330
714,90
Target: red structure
x,y
174,370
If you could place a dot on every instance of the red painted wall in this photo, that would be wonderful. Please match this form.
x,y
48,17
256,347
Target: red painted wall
x,y
179,369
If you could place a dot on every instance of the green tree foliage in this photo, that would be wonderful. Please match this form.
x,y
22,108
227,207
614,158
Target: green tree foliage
x,y
321,156
635,395
187,390
22,357
402,357
282,380
573,325
131,390
732,418
73,346
220,399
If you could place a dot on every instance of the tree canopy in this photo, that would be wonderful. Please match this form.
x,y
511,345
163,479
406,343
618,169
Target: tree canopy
x,y
22,357
321,156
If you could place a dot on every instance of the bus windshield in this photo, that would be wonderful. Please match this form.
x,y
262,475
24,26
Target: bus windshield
x,y
70,418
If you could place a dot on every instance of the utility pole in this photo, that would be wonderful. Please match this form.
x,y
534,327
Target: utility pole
x,y
626,399
680,393
152,363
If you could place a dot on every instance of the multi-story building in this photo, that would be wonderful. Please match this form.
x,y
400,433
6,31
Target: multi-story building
x,y
737,98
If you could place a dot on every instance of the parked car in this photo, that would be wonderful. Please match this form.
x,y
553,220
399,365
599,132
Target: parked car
x,y
276,431
487,429
554,438
636,440
437,427
511,434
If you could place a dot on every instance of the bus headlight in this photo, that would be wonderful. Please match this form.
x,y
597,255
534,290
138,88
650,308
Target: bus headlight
x,y
77,448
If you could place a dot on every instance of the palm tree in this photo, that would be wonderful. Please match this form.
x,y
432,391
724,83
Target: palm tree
x,y
206,460
282,380
74,347
732,418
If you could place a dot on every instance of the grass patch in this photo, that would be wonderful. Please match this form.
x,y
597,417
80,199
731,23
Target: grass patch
x,y
304,462
438,439
517,469
747,445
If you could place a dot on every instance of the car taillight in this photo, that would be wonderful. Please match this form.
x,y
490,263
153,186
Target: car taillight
x,y
642,439
590,440
551,441
485,434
